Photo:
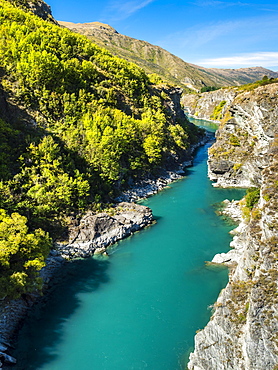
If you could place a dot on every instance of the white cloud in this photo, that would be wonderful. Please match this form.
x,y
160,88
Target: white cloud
x,y
202,36
215,3
119,10
262,59
248,30
216,39
133,6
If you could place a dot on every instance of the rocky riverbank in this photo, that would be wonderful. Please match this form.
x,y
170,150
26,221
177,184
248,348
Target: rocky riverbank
x,y
242,332
232,210
97,232
93,234
152,185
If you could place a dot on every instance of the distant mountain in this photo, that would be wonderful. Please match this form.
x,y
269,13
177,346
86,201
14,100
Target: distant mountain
x,y
154,59
239,76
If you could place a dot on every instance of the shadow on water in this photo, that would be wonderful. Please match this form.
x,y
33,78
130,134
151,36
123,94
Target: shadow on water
x,y
80,276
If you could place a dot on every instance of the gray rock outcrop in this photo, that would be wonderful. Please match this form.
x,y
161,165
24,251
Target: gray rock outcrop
x,y
103,229
38,7
242,332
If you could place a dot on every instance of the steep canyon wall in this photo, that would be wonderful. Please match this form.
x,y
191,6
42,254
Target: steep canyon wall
x,y
242,332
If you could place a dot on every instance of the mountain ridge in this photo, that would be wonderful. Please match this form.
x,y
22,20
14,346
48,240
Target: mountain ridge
x,y
155,59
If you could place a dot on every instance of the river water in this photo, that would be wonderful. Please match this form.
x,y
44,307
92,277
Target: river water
x,y
140,308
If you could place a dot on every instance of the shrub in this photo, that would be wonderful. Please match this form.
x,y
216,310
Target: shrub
x,y
217,112
252,197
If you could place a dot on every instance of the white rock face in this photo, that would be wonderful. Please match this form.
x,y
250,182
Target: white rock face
x,y
242,332
240,152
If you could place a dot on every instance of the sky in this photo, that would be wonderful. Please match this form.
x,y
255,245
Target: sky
x,y
209,33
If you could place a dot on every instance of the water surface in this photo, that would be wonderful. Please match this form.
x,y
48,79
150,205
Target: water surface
x,y
140,308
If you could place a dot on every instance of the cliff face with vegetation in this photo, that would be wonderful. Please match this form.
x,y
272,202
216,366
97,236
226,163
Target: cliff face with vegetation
x,y
242,333
209,105
243,139
154,59
214,105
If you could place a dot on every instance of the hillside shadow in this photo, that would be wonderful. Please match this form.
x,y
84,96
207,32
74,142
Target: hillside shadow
x,y
42,332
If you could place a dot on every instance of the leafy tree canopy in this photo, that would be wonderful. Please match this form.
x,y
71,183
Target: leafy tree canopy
x,y
22,255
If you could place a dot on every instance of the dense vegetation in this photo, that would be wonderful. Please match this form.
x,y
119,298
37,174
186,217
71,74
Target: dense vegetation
x,y
76,123
252,197
217,112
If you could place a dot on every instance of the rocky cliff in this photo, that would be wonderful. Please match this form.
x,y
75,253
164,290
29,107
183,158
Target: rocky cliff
x,y
38,7
209,105
242,332
244,137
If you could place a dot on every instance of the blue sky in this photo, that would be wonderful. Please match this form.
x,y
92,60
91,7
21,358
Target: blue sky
x,y
209,33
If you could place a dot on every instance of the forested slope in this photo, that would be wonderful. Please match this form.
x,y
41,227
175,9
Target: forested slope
x,y
76,123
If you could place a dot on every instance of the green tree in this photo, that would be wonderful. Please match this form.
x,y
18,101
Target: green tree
x,y
22,255
49,189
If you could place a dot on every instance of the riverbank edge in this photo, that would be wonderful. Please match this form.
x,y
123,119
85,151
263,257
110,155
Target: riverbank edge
x,y
191,115
13,313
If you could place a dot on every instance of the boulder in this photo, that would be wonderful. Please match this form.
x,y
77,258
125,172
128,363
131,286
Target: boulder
x,y
95,233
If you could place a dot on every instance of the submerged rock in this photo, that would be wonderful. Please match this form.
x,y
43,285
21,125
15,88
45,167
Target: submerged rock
x,y
7,359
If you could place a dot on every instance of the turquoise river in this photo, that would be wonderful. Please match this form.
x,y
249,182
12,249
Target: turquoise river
x,y
141,307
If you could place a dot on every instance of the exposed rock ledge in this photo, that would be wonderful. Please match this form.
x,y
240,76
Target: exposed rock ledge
x,y
232,209
96,232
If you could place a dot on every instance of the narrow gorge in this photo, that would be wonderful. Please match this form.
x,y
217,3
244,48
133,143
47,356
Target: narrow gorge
x,y
84,134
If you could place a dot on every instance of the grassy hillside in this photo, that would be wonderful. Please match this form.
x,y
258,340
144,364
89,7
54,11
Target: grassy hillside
x,y
154,59
76,123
